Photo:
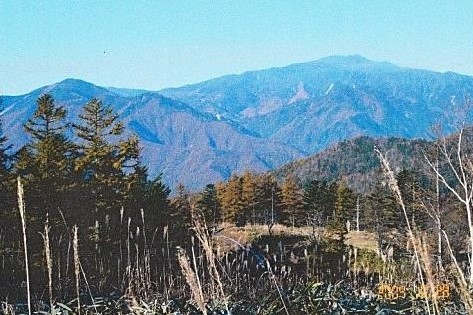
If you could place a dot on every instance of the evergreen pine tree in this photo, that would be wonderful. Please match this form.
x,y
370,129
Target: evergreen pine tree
x,y
4,156
156,202
330,200
108,164
180,216
410,192
382,213
47,161
6,184
267,199
5,161
344,208
389,207
316,201
208,205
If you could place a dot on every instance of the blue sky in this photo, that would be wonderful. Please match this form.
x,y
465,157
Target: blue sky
x,y
157,44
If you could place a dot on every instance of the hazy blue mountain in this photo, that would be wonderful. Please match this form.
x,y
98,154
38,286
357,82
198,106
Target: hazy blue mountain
x,y
313,105
258,120
71,93
184,144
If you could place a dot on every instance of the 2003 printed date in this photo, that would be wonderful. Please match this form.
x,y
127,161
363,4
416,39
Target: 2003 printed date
x,y
440,291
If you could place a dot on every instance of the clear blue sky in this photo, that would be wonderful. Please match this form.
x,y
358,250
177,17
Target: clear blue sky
x,y
157,44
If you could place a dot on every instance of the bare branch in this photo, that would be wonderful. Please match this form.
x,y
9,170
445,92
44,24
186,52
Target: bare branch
x,y
443,180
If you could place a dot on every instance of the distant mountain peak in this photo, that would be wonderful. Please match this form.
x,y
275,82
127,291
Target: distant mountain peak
x,y
353,61
73,81
344,59
83,88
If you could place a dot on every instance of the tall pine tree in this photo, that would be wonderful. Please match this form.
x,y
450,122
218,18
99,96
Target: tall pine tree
x,y
6,184
5,164
317,202
344,208
208,205
46,162
108,164
410,192
267,199
180,216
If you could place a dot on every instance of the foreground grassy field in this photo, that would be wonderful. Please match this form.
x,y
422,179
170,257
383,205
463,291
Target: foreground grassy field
x,y
247,270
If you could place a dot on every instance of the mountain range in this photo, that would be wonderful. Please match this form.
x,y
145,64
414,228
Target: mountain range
x,y
259,120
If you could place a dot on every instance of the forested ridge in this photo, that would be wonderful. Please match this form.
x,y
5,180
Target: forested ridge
x,y
356,162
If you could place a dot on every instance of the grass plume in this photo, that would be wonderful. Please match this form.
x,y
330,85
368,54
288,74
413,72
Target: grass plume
x,y
22,208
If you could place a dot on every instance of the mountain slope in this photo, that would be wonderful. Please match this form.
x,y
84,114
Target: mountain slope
x,y
313,105
185,145
356,161
259,120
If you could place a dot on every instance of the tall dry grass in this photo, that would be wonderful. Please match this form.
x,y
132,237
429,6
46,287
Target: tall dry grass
x,y
48,258
193,281
421,265
421,251
75,242
21,206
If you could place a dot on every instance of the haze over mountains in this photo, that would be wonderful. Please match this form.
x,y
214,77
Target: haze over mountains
x,y
259,120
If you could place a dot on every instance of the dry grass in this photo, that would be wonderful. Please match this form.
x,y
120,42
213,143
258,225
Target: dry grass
x,y
49,263
76,265
193,281
248,234
21,207
362,240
